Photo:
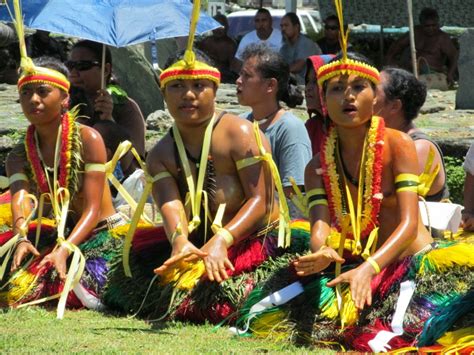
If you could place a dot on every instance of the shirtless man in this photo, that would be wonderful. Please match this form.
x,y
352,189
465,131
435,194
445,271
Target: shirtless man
x,y
246,191
432,44
220,48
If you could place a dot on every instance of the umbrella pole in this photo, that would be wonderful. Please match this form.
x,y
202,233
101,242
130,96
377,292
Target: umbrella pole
x,y
412,38
102,71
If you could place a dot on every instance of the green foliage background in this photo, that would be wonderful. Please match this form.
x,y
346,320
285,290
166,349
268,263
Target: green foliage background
x,y
456,176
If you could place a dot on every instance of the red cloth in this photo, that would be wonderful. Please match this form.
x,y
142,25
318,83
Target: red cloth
x,y
315,128
5,198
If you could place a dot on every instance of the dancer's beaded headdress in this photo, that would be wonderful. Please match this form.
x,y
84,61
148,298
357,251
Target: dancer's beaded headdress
x,y
346,65
29,72
189,68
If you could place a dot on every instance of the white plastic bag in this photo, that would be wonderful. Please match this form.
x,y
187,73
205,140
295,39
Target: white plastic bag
x,y
442,216
134,185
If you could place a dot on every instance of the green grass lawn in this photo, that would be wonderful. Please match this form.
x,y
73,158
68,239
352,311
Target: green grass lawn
x,y
36,330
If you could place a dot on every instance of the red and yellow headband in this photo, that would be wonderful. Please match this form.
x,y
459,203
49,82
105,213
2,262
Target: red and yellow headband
x,y
29,72
189,70
46,76
345,66
348,66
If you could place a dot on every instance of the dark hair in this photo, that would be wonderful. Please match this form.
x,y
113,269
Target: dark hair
x,y
51,63
354,56
199,55
263,10
222,19
404,86
428,13
271,65
331,18
97,48
294,19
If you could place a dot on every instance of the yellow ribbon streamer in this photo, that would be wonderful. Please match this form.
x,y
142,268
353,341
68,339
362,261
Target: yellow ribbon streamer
x,y
8,248
284,232
298,199
195,190
428,177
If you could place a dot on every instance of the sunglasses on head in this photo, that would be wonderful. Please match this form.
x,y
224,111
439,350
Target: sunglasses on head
x,y
334,28
82,65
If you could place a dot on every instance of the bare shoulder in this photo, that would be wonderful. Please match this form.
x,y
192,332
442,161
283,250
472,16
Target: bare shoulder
x,y
93,146
162,154
90,136
398,138
241,137
16,160
236,127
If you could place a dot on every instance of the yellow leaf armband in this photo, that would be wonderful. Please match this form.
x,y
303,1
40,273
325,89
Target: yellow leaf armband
x,y
374,264
94,167
161,176
407,182
316,197
66,244
228,237
17,177
245,162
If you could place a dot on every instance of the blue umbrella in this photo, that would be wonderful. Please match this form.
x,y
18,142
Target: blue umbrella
x,y
118,23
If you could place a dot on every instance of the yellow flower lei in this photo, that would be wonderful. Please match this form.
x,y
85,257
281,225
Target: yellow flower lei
x,y
372,167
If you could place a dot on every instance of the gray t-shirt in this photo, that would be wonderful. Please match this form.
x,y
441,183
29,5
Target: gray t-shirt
x,y
291,147
302,49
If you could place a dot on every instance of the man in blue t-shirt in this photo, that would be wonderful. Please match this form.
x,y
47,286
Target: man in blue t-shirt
x,y
296,46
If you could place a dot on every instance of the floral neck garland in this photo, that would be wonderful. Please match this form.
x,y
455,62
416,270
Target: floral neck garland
x,y
372,196
69,160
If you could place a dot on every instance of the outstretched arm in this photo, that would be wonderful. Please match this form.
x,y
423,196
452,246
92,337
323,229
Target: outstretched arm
x,y
20,205
452,54
321,256
166,195
258,187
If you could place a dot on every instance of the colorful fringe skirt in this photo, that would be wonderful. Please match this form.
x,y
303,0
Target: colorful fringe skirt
x,y
185,293
33,282
422,301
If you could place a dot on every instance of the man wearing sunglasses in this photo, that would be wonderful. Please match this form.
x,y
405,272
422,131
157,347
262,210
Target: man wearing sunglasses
x,y
329,44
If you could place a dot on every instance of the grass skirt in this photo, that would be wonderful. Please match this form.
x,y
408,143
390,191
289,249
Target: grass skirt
x,y
185,293
440,311
32,282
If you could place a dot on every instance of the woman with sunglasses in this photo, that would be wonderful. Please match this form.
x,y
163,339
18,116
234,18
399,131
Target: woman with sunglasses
x,y
101,107
58,176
